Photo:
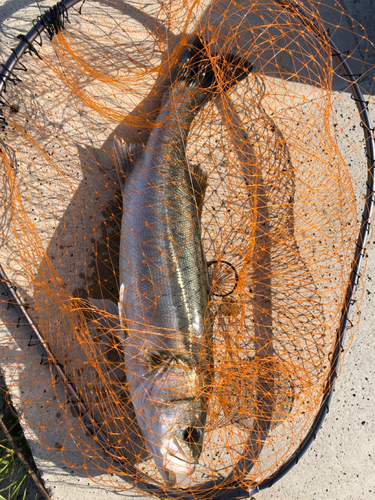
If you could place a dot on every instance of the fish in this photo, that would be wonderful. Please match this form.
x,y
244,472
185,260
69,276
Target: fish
x,y
163,308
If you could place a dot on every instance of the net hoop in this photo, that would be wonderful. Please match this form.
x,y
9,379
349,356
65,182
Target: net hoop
x,y
52,22
58,11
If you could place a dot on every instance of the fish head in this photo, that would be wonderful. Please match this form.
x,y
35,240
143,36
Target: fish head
x,y
172,421
176,440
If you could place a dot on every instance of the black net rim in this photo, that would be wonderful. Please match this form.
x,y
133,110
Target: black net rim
x,y
52,21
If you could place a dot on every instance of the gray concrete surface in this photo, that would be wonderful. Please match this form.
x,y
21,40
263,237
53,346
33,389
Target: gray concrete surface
x,y
340,465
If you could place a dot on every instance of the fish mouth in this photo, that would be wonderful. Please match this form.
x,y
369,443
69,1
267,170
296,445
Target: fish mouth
x,y
175,461
172,479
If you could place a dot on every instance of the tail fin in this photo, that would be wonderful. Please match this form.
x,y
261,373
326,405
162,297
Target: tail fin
x,y
197,65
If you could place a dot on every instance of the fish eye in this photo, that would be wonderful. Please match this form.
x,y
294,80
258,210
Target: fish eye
x,y
156,358
193,435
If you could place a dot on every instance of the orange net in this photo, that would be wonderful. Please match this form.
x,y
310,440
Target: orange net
x,y
181,224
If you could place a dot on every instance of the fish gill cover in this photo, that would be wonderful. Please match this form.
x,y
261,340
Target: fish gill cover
x,y
179,221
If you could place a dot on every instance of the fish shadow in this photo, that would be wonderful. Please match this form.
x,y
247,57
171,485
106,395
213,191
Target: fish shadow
x,y
73,270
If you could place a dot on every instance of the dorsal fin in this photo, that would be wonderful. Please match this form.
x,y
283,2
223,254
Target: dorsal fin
x,y
106,306
116,321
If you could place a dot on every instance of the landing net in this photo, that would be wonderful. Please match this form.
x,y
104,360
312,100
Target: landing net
x,y
279,230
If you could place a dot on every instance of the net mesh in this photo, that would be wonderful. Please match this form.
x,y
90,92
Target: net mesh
x,y
252,175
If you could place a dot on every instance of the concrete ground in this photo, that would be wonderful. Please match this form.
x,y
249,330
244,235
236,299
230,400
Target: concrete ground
x,y
340,464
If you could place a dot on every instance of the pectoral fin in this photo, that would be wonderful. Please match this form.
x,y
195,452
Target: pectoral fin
x,y
121,312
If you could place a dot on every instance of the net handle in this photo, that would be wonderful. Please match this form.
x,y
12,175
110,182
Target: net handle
x,y
209,490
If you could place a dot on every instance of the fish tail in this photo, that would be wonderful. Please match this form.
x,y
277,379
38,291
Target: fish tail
x,y
210,70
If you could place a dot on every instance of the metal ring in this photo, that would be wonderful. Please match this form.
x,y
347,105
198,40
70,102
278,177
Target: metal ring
x,y
235,274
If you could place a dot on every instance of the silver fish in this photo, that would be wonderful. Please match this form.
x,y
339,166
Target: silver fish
x,y
164,285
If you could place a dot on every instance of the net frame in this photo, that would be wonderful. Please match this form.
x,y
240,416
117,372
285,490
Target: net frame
x,y
53,21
